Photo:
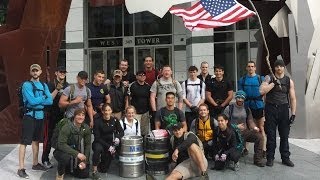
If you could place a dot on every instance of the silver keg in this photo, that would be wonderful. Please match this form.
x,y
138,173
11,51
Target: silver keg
x,y
131,157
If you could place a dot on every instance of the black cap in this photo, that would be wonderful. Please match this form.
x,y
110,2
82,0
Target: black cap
x,y
61,69
177,126
83,75
279,62
140,72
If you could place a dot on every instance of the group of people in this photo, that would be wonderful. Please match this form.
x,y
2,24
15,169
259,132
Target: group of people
x,y
198,114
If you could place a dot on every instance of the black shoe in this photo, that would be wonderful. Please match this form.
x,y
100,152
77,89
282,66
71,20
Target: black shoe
x,y
269,162
259,163
245,152
287,162
39,167
22,173
47,164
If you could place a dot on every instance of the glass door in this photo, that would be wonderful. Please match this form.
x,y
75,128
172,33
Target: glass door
x,y
162,56
141,54
106,60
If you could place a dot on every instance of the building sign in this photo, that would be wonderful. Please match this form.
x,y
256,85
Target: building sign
x,y
153,40
128,41
105,42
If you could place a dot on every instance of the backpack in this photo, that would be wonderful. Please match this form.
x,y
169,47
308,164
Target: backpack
x,y
185,135
72,89
56,131
186,84
125,126
236,130
173,81
22,107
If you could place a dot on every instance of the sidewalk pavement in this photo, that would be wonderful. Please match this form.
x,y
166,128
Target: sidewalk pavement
x,y
305,153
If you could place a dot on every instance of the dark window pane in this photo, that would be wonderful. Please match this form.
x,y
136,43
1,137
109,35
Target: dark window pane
x,y
241,25
142,53
225,28
111,61
128,23
254,22
242,58
61,58
149,24
105,21
162,57
3,11
96,61
128,55
222,37
224,55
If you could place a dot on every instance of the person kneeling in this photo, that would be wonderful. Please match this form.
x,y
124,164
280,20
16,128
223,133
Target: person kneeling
x,y
73,147
188,155
225,143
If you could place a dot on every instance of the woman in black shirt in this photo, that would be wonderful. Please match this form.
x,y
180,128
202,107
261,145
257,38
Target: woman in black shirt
x,y
107,134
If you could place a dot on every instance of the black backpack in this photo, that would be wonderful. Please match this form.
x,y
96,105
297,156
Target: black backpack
x,y
23,109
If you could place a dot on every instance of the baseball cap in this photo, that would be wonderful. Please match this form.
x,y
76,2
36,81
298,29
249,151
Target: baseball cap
x,y
83,75
35,66
177,126
141,72
61,69
117,72
241,94
279,62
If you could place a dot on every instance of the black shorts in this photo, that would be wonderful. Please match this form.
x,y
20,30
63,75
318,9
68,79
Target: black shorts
x,y
257,113
32,130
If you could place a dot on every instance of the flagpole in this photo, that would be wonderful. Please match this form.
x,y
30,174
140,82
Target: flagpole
x,y
264,40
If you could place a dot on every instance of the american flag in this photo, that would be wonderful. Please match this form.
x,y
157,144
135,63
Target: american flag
x,y
211,14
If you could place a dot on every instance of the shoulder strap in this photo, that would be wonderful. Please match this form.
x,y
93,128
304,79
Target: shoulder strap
x,y
124,125
201,82
71,94
243,81
87,90
137,127
259,79
230,111
186,85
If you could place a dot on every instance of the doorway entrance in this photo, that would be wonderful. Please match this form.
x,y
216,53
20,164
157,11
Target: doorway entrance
x,y
161,55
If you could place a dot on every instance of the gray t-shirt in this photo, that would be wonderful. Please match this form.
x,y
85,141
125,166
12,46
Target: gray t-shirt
x,y
239,114
84,92
169,117
165,86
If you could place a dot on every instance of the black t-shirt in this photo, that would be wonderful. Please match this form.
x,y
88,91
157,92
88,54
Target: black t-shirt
x,y
219,89
52,87
98,94
129,77
169,117
182,145
208,77
140,97
118,95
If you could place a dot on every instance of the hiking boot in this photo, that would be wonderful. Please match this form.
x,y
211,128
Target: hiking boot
x,y
39,167
259,163
245,152
287,162
204,176
22,173
58,177
95,176
269,162
47,164
264,154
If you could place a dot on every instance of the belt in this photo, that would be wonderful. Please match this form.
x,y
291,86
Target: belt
x,y
277,105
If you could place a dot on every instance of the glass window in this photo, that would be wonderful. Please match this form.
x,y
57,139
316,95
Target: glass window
x,y
224,56
147,23
141,54
242,25
128,23
254,22
105,21
222,37
96,61
242,58
162,57
225,28
3,11
129,56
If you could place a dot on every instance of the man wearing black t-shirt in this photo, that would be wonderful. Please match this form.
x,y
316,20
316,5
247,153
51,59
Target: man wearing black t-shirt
x,y
219,92
127,77
99,92
55,114
139,93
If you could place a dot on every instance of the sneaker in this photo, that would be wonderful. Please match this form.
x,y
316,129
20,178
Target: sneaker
x,y
287,162
95,176
230,164
22,173
204,176
237,166
47,164
39,167
269,162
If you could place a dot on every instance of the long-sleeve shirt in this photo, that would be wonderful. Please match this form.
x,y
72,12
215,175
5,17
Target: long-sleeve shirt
x,y
70,137
106,130
36,98
224,141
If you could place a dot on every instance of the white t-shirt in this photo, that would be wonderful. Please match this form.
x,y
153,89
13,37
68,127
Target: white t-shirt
x,y
194,95
130,130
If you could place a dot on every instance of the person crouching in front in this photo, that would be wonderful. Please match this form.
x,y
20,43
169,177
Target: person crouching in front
x,y
73,147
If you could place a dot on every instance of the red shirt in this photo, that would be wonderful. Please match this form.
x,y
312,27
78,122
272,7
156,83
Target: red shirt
x,y
151,76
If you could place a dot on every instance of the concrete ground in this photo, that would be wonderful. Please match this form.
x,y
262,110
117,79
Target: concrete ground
x,y
304,153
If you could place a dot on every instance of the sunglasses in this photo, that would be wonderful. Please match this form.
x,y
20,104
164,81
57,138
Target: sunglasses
x,y
34,70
